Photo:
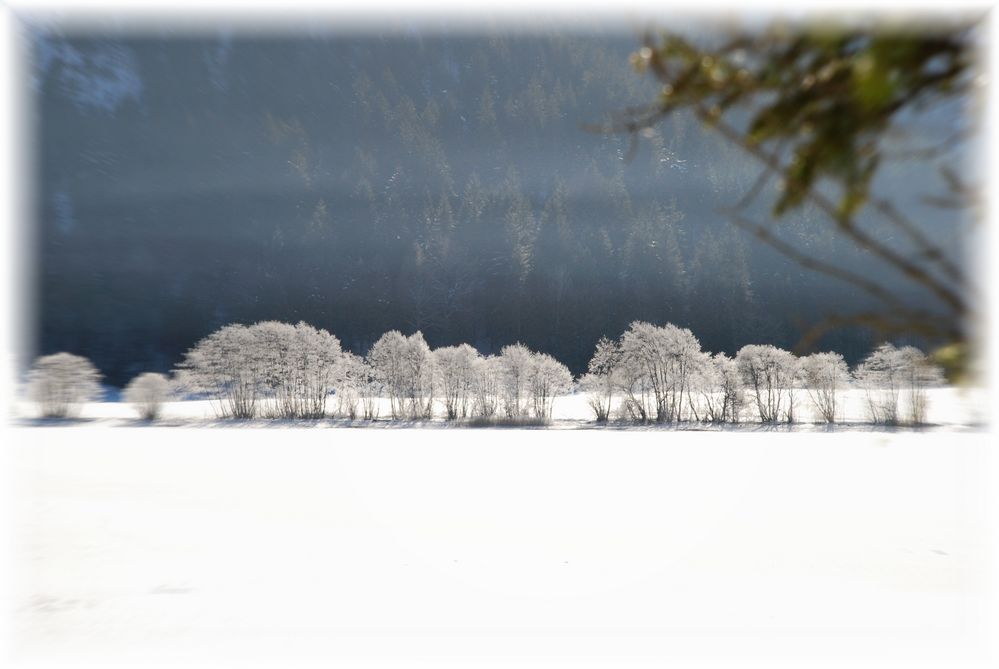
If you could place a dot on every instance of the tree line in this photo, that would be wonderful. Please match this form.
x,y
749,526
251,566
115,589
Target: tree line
x,y
435,183
650,374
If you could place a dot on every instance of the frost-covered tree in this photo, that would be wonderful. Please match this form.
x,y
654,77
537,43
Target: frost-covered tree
x,y
315,362
601,377
147,392
548,378
824,376
270,354
61,382
352,376
420,374
769,374
515,362
294,366
667,356
404,366
918,374
387,359
358,375
224,366
889,374
732,390
299,366
635,384
880,375
455,369
487,384
719,389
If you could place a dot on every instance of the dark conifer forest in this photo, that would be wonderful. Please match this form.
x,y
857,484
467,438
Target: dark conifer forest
x,y
412,180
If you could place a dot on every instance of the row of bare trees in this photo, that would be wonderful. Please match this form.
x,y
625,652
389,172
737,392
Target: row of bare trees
x,y
290,371
660,374
649,374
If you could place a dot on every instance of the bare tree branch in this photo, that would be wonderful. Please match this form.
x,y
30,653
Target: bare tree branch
x,y
843,223
927,249
762,233
885,324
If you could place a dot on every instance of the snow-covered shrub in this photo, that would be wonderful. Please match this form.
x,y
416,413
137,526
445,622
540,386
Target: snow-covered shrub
x,y
666,357
237,366
601,378
420,363
769,374
298,365
353,376
515,363
919,373
147,392
455,369
358,389
547,378
487,377
880,375
718,388
223,366
889,374
387,361
405,367
271,351
61,382
314,362
634,382
824,376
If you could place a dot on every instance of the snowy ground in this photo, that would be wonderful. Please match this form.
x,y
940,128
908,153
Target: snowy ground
x,y
136,546
948,408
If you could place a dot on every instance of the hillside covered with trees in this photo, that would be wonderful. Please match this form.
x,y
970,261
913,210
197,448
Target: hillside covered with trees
x,y
412,180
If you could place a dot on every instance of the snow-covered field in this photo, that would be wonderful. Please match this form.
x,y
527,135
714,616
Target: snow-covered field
x,y
232,547
948,408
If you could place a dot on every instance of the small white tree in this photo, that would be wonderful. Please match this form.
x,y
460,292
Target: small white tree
x,y
387,361
515,363
719,389
224,366
315,370
61,382
487,374
298,366
602,377
880,375
404,366
294,366
455,369
420,387
667,357
918,374
548,378
824,376
369,388
769,373
731,388
271,356
352,380
889,374
147,392
635,384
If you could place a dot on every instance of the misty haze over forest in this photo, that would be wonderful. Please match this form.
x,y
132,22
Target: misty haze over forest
x,y
414,180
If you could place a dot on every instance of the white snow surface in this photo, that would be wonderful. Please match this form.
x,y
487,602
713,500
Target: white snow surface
x,y
948,408
201,546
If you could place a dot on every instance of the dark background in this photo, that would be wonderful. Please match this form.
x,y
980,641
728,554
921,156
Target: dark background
x,y
410,180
